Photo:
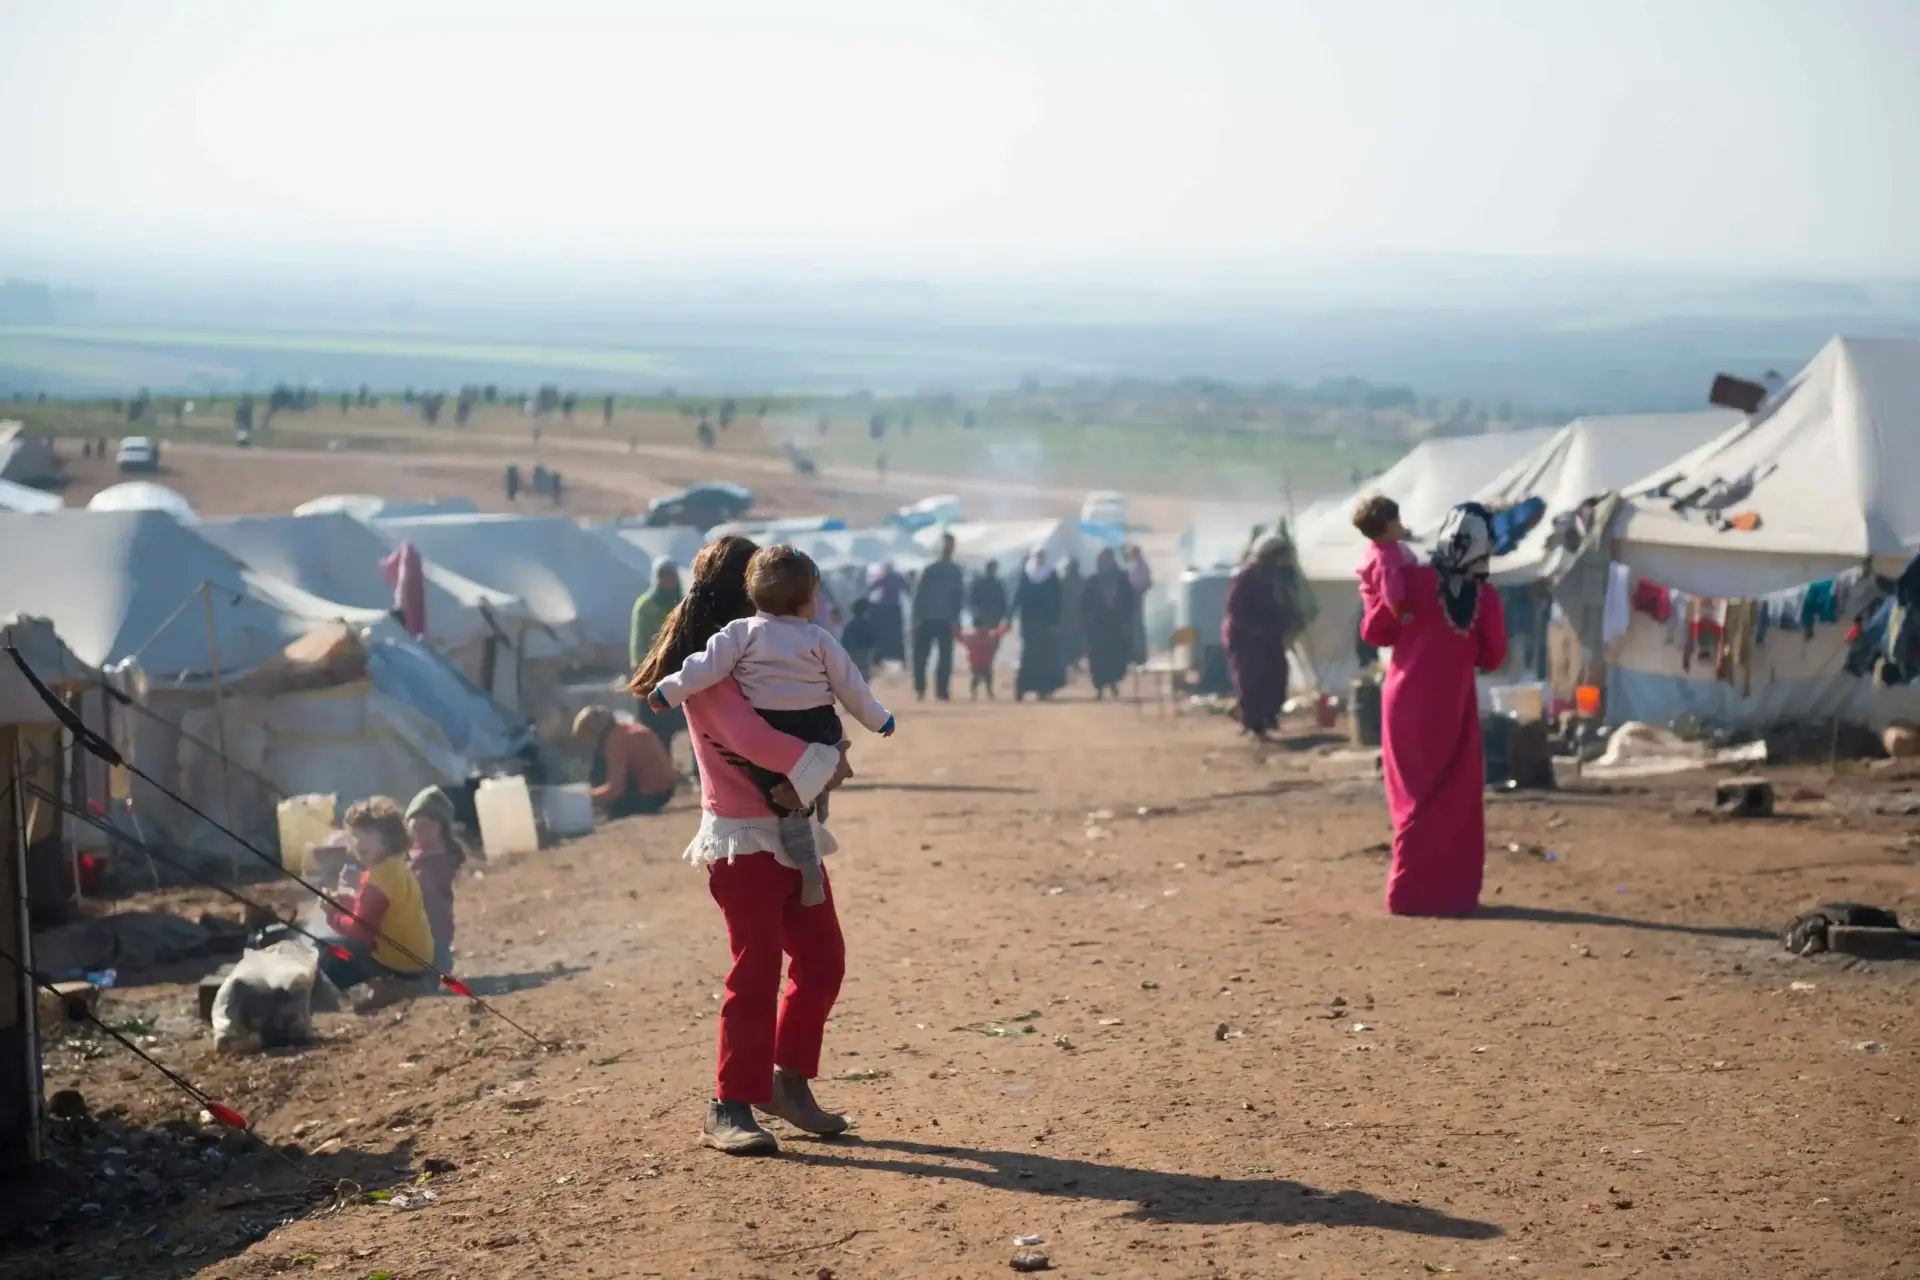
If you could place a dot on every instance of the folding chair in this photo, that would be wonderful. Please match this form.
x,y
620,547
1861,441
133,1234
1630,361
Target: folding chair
x,y
1172,673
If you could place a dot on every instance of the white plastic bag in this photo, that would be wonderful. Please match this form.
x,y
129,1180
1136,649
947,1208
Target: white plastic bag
x,y
267,1001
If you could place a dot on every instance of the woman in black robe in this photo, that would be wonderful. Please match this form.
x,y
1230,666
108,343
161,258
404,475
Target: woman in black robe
x,y
1036,602
1107,609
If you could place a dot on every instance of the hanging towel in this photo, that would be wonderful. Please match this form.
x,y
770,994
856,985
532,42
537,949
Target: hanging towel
x,y
409,582
1736,644
1819,606
1616,613
1652,599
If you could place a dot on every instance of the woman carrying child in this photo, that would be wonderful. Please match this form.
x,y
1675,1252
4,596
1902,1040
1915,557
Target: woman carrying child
x,y
770,1045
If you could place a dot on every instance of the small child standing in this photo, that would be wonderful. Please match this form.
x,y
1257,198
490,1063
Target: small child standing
x,y
1378,520
981,644
792,671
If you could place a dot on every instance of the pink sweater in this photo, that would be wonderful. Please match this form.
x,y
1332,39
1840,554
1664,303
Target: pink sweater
x,y
726,732
1384,570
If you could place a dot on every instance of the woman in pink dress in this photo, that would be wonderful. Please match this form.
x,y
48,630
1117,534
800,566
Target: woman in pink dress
x,y
1450,624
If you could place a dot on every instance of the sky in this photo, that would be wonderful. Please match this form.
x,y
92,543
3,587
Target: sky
x,y
1764,136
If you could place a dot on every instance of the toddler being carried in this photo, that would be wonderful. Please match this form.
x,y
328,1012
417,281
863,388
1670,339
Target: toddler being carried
x,y
1378,519
793,672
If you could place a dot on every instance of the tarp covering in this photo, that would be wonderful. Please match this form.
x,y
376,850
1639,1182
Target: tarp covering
x,y
1830,470
336,557
127,584
1585,459
569,578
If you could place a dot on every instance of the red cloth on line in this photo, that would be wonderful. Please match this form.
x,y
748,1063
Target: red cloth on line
x,y
408,579
1431,756
1652,599
760,901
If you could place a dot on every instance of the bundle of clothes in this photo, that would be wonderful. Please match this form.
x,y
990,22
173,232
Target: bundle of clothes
x,y
1721,634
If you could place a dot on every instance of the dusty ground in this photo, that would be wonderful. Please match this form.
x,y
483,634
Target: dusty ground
x,y
1220,1057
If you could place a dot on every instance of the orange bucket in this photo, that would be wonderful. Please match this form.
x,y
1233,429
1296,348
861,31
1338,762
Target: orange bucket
x,y
1586,700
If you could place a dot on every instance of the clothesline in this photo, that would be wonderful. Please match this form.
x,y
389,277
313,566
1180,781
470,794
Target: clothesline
x,y
1722,632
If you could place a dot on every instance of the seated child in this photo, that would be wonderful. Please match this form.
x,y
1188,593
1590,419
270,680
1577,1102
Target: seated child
x,y
1378,520
435,856
859,638
981,644
384,929
792,671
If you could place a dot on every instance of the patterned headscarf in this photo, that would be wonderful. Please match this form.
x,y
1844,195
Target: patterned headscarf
x,y
1462,555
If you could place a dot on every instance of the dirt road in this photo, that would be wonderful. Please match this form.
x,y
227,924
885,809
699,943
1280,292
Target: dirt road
x,y
1125,984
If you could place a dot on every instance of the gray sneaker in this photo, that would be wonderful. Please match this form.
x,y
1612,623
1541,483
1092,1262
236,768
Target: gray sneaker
x,y
732,1129
793,1102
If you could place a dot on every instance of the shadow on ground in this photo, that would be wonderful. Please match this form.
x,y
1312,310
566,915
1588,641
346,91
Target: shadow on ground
x,y
119,1200
1155,1196
1553,915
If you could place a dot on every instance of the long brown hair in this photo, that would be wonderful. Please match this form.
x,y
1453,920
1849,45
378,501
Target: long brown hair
x,y
717,596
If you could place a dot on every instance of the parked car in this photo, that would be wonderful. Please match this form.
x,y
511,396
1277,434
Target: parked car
x,y
138,454
700,506
941,508
1105,507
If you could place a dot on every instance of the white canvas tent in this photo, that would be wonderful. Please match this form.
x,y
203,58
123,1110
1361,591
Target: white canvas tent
x,y
569,578
19,497
1435,475
1832,471
128,585
641,545
1588,458
143,495
366,506
337,558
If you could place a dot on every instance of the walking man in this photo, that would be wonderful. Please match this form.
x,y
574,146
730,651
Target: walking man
x,y
937,600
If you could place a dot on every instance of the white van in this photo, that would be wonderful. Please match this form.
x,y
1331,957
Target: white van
x,y
138,453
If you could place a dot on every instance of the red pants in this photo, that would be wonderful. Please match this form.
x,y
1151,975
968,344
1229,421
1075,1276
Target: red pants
x,y
759,1029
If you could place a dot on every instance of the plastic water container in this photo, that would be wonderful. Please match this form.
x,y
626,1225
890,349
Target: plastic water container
x,y
304,821
566,810
1523,702
505,809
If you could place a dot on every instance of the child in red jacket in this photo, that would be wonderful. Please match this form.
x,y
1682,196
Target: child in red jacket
x,y
981,644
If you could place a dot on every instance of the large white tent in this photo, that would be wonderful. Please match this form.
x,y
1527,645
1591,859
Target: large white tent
x,y
1829,469
641,546
337,558
137,585
581,588
1589,458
